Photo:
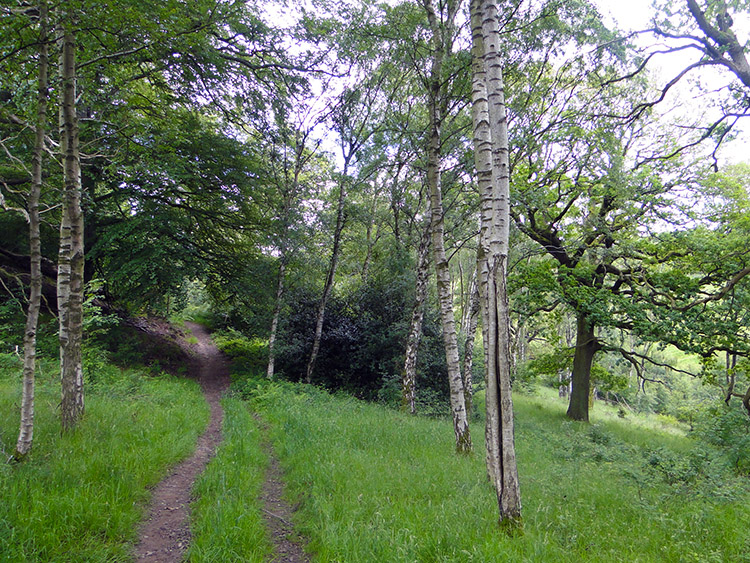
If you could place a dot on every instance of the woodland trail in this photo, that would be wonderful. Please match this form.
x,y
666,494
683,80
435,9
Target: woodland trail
x,y
164,535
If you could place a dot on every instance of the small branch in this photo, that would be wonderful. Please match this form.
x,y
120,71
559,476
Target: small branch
x,y
285,521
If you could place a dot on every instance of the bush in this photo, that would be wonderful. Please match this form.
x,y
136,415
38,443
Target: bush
x,y
727,427
248,355
362,344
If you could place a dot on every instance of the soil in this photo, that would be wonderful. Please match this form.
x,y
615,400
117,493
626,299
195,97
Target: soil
x,y
278,513
164,536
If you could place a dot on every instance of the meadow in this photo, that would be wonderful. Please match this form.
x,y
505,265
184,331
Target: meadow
x,y
370,483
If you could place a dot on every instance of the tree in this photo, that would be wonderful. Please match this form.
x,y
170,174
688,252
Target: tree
x,y
705,28
26,432
409,374
442,28
350,118
493,171
70,284
288,180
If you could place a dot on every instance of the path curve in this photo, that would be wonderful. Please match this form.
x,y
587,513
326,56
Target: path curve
x,y
165,534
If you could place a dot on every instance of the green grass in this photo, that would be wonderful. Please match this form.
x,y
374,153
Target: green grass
x,y
376,485
79,497
227,519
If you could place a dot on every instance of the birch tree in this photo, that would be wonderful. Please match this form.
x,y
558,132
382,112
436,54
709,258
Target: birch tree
x,y
26,432
409,376
442,27
493,172
287,181
71,254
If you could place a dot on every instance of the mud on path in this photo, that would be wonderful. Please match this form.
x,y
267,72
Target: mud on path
x,y
164,535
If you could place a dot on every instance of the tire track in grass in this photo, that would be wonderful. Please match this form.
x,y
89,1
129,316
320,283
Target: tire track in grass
x,y
164,535
277,512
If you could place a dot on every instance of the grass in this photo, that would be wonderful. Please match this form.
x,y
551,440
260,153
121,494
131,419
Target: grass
x,y
79,497
372,484
376,485
227,519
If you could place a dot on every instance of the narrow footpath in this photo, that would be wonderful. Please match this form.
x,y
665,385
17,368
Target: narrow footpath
x,y
164,535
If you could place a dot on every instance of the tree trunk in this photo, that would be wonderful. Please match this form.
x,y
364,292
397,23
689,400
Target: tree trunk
x,y
492,163
290,188
409,376
469,332
586,347
276,316
331,274
371,239
442,34
26,432
71,254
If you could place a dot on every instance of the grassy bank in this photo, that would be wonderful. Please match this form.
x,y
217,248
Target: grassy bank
x,y
375,485
79,497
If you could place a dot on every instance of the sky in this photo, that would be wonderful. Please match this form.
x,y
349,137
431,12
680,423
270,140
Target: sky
x,y
631,14
637,15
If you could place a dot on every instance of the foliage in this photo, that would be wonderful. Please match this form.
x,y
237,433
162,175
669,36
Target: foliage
x,y
363,339
728,428
248,356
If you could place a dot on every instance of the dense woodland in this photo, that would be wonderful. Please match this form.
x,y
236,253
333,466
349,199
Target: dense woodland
x,y
417,203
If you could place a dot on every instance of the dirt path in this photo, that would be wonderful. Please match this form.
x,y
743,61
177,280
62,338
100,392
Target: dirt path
x,y
277,513
165,534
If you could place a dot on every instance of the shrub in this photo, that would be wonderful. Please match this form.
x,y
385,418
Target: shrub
x,y
727,427
248,355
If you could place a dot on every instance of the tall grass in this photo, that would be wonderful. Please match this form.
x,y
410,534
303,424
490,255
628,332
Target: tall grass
x,y
80,496
376,485
227,520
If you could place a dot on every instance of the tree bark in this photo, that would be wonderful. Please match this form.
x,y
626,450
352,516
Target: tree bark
x,y
276,316
469,332
409,376
71,254
331,274
26,432
492,163
435,97
586,348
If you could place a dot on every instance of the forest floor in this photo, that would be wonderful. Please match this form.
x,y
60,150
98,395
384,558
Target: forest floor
x,y
164,535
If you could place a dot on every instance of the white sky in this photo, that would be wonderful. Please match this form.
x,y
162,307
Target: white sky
x,y
630,14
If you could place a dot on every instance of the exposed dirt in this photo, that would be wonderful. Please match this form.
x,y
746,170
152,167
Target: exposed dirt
x,y
278,513
165,534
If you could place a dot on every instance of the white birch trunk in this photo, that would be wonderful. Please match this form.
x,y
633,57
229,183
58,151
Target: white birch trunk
x,y
491,154
440,38
409,377
71,256
470,331
276,315
26,432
